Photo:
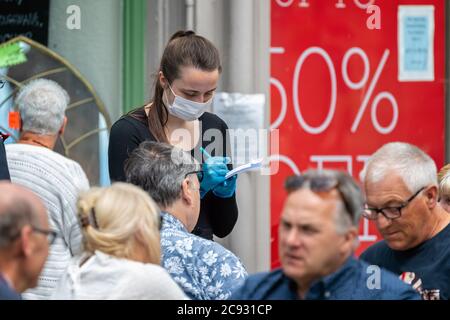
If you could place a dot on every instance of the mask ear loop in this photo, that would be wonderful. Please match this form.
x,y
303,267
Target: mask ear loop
x,y
170,87
165,97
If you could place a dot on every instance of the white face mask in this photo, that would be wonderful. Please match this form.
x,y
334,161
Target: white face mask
x,y
185,109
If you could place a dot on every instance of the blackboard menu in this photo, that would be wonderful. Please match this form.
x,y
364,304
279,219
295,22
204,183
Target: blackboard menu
x,y
24,17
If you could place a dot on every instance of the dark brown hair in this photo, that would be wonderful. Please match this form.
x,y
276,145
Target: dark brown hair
x,y
184,49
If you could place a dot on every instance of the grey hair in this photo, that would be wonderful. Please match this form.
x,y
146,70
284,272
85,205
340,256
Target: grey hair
x,y
14,216
347,216
42,104
414,166
159,169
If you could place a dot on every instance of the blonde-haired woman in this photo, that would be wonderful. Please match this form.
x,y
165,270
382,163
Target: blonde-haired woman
x,y
121,259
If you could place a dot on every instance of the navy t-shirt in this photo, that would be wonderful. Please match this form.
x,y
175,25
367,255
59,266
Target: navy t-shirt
x,y
426,267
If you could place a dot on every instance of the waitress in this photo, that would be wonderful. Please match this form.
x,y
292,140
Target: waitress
x,y
184,89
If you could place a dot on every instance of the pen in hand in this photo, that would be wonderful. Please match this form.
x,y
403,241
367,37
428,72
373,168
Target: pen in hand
x,y
205,152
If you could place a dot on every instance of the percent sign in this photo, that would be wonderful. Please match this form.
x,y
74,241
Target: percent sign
x,y
352,85
380,96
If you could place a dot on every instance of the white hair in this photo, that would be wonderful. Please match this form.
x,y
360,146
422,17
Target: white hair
x,y
414,166
42,104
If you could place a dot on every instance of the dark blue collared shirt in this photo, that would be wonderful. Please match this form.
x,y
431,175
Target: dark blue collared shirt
x,y
355,280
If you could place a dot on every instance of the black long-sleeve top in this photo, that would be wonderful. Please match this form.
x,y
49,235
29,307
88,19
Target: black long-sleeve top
x,y
218,216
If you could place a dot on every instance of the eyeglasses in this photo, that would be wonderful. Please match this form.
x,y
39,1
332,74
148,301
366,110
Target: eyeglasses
x,y
318,184
390,213
199,174
51,235
160,221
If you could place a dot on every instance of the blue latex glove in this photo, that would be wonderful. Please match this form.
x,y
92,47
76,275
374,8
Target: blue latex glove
x,y
214,171
226,189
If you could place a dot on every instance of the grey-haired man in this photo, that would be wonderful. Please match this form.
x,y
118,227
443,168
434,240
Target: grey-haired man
x,y
401,186
56,179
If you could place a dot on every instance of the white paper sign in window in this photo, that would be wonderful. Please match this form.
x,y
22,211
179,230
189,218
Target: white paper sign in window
x,y
416,43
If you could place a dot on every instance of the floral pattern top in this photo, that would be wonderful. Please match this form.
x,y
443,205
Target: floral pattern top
x,y
202,268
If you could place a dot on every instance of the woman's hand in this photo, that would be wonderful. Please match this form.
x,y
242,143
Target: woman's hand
x,y
214,171
227,188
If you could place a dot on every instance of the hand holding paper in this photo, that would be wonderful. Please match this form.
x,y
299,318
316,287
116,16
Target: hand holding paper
x,y
219,179
227,188
214,171
253,165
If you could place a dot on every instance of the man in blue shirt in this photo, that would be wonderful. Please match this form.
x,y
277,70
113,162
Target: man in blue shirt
x,y
24,240
202,268
402,199
317,236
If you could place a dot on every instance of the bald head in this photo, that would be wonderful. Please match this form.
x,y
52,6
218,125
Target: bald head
x,y
18,207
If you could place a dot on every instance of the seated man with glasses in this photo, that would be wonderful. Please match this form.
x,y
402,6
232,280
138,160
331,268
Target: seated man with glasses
x,y
401,187
25,237
318,234
202,268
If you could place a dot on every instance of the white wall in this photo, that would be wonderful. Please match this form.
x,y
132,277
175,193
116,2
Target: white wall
x,y
165,17
241,31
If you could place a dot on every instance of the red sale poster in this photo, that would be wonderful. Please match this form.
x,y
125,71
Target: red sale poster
x,y
348,76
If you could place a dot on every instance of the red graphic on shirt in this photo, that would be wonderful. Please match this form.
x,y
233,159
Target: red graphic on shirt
x,y
412,279
4,136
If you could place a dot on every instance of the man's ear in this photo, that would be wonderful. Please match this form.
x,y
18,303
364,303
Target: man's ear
x,y
431,194
26,241
186,191
63,127
351,240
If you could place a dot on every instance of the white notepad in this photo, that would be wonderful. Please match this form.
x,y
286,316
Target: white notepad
x,y
253,165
